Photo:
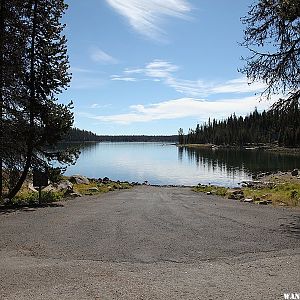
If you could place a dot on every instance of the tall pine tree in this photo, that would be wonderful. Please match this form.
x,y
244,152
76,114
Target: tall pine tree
x,y
31,107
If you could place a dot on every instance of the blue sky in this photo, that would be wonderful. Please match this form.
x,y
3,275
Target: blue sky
x,y
152,66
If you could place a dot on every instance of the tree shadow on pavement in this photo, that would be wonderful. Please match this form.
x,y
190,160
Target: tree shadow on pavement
x,y
292,228
9,209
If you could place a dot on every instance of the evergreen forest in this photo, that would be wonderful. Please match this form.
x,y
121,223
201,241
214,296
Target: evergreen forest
x,y
268,127
78,135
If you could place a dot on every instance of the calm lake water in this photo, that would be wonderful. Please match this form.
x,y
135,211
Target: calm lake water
x,y
166,164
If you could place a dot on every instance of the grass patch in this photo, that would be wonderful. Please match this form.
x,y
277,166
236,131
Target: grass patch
x,y
95,187
31,198
287,193
215,190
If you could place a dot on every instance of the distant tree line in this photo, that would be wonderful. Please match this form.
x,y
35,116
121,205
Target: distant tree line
x,y
280,127
78,135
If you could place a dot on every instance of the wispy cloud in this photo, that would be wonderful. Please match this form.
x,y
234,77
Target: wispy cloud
x,y
100,56
185,107
122,78
165,71
146,16
81,70
157,69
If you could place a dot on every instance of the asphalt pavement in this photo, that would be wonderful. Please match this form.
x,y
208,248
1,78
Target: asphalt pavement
x,y
150,243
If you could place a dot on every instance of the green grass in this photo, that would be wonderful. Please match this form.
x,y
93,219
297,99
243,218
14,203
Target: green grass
x,y
216,190
287,193
30,198
84,189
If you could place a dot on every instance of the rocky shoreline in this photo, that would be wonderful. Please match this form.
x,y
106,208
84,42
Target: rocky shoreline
x,y
281,188
262,147
265,188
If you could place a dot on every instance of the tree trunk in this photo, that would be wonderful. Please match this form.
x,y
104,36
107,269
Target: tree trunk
x,y
30,141
1,93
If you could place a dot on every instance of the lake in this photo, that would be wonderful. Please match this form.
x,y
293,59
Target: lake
x,y
166,164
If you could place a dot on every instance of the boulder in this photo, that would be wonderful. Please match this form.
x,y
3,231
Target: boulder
x,y
248,200
49,188
105,180
64,186
236,194
263,202
93,189
79,179
295,172
75,194
31,188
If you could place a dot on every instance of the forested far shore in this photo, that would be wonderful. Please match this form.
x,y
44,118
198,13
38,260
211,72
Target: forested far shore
x,y
268,127
79,135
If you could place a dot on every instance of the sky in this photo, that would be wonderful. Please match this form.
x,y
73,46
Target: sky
x,y
151,66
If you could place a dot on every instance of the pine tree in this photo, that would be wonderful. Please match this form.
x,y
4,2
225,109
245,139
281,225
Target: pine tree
x,y
42,73
273,39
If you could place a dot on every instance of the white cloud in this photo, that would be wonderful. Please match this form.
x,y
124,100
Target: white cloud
x,y
100,56
202,88
186,107
157,69
81,70
146,16
122,78
97,105
160,70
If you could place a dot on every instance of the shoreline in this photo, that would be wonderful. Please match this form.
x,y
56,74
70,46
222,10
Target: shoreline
x,y
279,189
267,148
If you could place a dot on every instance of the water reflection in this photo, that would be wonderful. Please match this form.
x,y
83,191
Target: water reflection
x,y
166,164
250,161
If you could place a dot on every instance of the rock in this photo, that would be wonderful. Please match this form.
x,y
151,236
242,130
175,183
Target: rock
x,y
49,188
64,185
79,179
235,194
263,202
295,172
93,189
6,200
248,200
75,194
31,188
208,193
105,180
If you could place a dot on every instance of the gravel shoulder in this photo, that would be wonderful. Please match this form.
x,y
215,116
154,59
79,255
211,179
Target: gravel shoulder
x,y
150,243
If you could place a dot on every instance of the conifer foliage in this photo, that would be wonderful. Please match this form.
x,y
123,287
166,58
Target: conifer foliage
x,y
34,70
275,127
272,36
